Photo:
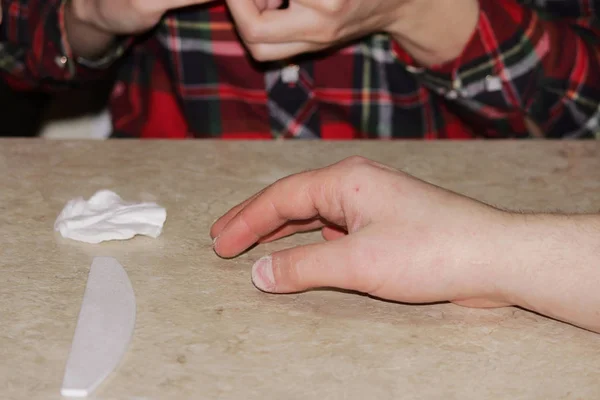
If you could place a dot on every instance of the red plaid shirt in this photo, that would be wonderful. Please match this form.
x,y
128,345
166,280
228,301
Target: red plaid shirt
x,y
190,77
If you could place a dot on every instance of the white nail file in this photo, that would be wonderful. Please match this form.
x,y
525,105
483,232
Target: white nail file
x,y
104,328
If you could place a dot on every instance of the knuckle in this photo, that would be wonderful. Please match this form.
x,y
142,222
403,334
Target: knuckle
x,y
252,33
356,160
364,275
287,271
330,35
260,53
138,5
333,7
354,169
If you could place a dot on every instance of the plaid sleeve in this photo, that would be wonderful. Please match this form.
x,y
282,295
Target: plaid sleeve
x,y
528,59
34,51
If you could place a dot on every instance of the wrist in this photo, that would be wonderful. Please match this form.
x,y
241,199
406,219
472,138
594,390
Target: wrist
x,y
482,279
541,262
554,262
86,38
435,31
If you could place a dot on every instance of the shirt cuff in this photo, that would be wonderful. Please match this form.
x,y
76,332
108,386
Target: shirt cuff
x,y
479,67
80,67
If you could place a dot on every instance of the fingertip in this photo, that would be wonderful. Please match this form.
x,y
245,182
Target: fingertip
x,y
222,248
214,247
216,227
262,274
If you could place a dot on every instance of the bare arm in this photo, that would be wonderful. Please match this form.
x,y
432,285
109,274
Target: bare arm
x,y
553,265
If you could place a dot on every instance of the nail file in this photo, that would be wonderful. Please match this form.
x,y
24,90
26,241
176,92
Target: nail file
x,y
104,328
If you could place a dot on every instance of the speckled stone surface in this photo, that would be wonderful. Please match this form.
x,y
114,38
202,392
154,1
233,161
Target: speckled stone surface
x,y
204,332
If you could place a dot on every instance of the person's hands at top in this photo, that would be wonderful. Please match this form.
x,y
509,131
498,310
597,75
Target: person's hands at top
x,y
434,31
387,234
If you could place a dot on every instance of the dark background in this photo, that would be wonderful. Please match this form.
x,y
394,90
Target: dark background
x,y
23,113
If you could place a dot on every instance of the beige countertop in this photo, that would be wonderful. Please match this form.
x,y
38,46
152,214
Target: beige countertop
x,y
204,332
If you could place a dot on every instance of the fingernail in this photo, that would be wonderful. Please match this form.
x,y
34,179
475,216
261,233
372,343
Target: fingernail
x,y
262,274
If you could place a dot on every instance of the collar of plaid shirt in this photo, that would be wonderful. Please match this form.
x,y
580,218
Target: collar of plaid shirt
x,y
191,77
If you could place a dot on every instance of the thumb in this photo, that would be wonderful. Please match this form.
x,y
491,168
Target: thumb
x,y
328,264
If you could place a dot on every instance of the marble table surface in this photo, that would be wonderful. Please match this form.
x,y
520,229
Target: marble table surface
x,y
204,332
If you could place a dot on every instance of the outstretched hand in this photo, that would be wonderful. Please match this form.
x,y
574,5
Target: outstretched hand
x,y
386,233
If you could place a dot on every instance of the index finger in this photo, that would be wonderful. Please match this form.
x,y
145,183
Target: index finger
x,y
222,222
298,197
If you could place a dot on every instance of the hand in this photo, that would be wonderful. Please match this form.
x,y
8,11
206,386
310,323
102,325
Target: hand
x,y
310,25
396,237
433,31
120,17
387,234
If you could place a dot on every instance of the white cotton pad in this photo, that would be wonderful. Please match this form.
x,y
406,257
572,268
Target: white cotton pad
x,y
106,216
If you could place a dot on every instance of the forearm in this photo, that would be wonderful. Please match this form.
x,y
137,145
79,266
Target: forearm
x,y
85,39
553,267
